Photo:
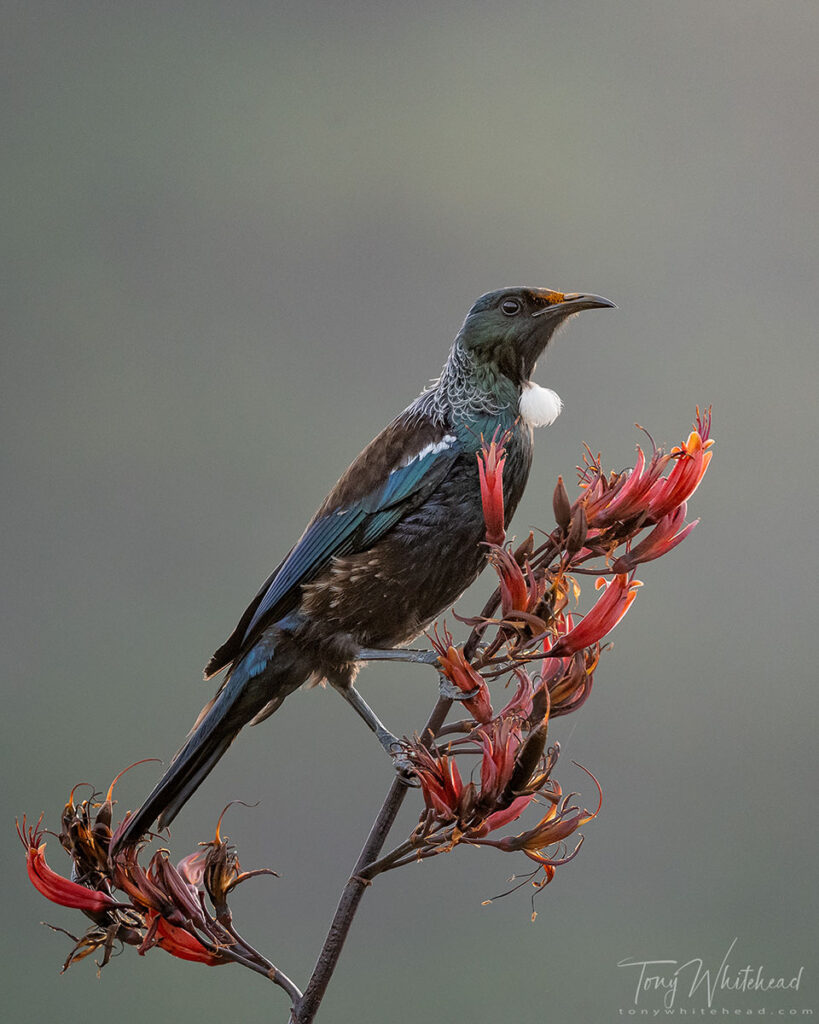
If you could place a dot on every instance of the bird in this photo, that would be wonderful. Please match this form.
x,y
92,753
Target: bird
x,y
396,541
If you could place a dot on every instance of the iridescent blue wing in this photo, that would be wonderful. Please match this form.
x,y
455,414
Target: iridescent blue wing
x,y
393,476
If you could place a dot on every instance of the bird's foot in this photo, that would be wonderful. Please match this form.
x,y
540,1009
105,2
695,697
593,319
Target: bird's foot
x,y
449,691
397,654
404,768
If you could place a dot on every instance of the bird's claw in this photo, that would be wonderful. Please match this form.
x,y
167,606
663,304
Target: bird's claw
x,y
404,768
449,691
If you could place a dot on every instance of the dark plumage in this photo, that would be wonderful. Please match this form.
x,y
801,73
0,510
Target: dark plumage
x,y
393,544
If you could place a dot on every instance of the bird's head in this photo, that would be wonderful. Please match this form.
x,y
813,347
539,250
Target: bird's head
x,y
506,331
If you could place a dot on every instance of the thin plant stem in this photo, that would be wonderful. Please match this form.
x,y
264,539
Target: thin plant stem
x,y
277,976
305,1009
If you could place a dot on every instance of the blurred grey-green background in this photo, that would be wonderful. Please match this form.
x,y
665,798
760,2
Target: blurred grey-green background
x,y
239,238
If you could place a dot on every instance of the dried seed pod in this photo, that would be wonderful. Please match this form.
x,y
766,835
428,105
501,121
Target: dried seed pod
x,y
526,762
561,505
577,532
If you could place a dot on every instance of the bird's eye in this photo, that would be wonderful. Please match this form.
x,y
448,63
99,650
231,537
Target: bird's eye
x,y
510,306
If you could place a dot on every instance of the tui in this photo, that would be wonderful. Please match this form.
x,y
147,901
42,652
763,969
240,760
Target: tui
x,y
396,541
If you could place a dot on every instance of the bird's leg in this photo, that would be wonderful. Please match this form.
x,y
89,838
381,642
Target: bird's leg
x,y
446,688
391,743
397,654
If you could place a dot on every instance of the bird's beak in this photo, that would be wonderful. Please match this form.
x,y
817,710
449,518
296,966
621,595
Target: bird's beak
x,y
573,302
558,308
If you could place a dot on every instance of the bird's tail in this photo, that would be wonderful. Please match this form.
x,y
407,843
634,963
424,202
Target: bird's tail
x,y
244,698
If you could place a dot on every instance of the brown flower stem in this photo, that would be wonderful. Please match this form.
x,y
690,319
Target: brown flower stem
x,y
465,726
489,609
270,972
408,852
403,862
377,867
250,961
402,854
281,979
252,965
259,963
305,1008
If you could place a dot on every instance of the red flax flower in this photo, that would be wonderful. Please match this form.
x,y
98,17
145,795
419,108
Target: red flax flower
x,y
504,817
500,743
86,834
659,542
458,671
171,899
162,906
53,886
521,590
220,871
462,807
169,904
491,459
441,784
644,493
692,458
178,942
470,811
615,601
624,496
192,867
561,820
566,683
520,705
172,908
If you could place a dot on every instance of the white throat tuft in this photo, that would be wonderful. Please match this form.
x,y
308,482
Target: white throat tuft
x,y
539,406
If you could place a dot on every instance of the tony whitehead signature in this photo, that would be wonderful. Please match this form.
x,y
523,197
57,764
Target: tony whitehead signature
x,y
667,976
